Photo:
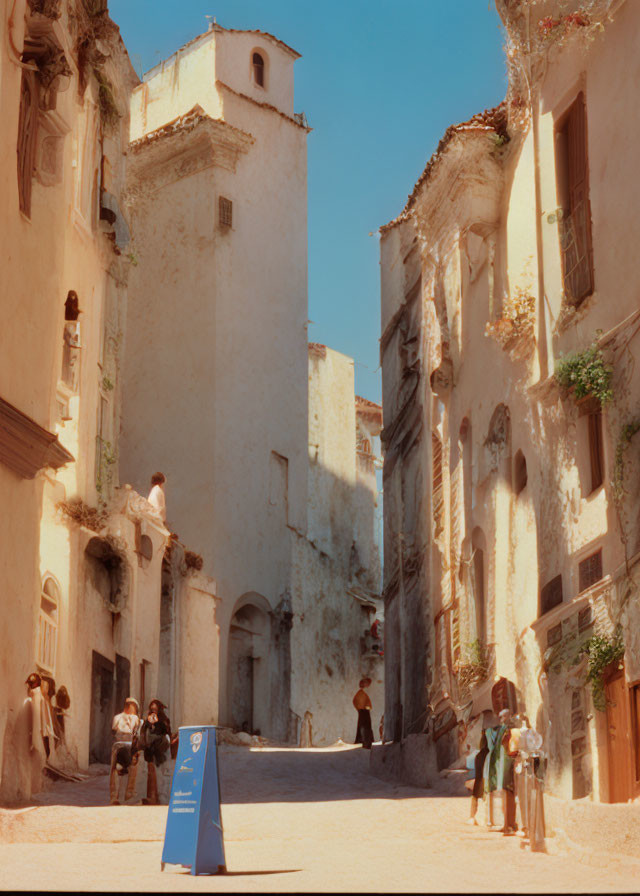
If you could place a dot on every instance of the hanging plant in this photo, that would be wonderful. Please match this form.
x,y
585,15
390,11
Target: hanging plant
x,y
109,111
586,374
601,651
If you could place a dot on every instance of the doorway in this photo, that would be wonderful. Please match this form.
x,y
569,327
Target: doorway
x,y
618,738
101,716
248,685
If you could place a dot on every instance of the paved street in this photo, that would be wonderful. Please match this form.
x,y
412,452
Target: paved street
x,y
294,820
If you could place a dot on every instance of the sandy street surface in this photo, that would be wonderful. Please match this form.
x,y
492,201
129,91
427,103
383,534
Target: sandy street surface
x,y
295,820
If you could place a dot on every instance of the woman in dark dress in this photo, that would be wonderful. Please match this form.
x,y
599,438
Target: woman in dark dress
x,y
361,701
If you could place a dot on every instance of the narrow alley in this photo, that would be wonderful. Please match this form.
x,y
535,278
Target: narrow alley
x,y
295,820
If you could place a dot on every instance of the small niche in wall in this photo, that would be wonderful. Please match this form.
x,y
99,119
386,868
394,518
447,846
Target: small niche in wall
x,y
520,475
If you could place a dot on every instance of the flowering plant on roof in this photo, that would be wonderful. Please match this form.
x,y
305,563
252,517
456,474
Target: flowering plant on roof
x,y
550,28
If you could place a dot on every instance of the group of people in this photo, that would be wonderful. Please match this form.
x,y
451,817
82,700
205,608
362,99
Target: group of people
x,y
134,737
49,707
501,752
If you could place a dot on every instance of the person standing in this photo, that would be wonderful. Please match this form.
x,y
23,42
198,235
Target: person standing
x,y
155,740
124,727
477,792
156,495
362,703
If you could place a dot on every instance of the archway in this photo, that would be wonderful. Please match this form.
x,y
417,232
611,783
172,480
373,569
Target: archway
x,y
248,658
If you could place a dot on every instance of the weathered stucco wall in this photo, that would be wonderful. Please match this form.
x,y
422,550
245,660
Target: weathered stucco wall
x,y
510,503
336,561
233,450
57,245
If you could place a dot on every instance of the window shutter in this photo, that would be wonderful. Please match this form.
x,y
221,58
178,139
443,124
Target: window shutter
x,y
577,255
595,449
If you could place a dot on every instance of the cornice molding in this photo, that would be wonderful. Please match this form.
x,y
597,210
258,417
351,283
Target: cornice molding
x,y
185,146
25,446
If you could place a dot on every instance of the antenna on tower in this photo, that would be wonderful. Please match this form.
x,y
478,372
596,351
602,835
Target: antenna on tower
x,y
212,21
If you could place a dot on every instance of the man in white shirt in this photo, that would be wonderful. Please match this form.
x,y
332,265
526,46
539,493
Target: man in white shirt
x,y
156,495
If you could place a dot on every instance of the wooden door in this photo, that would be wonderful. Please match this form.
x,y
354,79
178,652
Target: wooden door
x,y
618,740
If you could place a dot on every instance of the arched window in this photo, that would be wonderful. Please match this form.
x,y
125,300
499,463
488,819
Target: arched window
x,y
258,69
48,625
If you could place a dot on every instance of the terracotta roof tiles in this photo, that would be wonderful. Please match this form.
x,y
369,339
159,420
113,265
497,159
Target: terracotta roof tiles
x,y
490,120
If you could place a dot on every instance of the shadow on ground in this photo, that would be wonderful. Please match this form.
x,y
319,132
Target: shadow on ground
x,y
271,775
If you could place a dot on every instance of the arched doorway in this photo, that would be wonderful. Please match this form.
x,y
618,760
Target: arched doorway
x,y
247,682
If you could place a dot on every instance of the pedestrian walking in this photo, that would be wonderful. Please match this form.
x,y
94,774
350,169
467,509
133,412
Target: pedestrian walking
x,y
362,703
477,792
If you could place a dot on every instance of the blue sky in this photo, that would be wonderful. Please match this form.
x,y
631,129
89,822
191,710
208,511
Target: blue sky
x,y
379,82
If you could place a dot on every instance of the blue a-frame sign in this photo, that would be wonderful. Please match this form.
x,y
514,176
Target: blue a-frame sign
x,y
194,837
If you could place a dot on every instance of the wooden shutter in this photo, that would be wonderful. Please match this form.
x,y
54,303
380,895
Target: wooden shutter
x,y
576,225
595,449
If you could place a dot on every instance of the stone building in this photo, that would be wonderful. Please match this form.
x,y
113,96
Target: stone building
x,y
65,81
335,592
215,372
511,489
83,561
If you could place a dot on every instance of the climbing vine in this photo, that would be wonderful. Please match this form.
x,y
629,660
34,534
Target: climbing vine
x,y
601,651
586,373
627,432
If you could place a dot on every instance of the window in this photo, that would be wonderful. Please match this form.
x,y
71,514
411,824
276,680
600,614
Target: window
x,y
258,69
27,135
519,472
595,449
590,570
551,595
572,170
48,625
225,212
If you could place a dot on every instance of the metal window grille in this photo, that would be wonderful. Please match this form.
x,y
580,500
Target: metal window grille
x,y
225,212
590,570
